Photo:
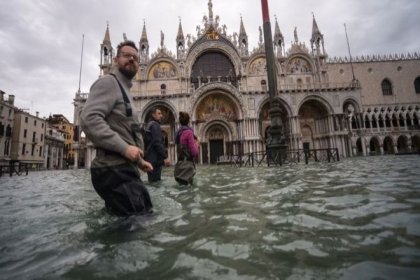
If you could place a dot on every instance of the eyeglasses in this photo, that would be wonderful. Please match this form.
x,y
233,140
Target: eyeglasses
x,y
129,56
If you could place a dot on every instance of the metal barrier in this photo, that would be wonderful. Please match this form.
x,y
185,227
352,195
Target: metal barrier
x,y
11,168
290,157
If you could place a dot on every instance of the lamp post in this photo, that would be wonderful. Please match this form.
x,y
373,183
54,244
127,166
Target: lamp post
x,y
276,142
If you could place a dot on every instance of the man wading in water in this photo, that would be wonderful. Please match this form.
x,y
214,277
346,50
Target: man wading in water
x,y
109,121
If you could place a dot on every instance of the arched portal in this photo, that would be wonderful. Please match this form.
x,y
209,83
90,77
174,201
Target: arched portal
x,y
374,146
217,136
415,143
388,146
307,137
215,118
402,144
313,120
359,147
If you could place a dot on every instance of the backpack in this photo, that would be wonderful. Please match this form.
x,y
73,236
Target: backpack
x,y
145,134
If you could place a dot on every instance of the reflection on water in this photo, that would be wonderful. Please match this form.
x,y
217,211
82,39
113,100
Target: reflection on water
x,y
357,219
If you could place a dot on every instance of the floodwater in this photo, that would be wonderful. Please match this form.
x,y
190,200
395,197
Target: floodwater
x,y
355,219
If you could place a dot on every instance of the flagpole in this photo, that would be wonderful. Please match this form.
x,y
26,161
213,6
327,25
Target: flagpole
x,y
76,125
276,142
348,47
81,61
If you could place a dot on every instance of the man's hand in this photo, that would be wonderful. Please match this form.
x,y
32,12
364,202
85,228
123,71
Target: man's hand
x,y
133,153
145,165
166,162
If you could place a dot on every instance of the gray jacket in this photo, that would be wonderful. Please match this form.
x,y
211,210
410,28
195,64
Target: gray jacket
x,y
105,122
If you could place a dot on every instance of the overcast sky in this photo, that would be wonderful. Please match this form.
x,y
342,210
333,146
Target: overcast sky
x,y
41,40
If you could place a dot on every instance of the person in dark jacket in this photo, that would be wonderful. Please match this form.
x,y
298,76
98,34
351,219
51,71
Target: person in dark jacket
x,y
155,153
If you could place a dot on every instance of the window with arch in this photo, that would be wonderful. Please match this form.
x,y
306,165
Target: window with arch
x,y
299,82
367,122
386,87
211,65
417,84
163,88
8,131
264,85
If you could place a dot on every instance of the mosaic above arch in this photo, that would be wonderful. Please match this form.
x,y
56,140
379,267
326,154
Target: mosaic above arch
x,y
162,70
216,106
298,65
258,66
218,87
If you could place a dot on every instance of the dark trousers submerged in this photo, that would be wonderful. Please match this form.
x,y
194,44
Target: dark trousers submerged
x,y
122,189
155,175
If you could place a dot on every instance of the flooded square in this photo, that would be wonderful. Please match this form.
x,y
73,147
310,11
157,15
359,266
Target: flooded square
x,y
355,219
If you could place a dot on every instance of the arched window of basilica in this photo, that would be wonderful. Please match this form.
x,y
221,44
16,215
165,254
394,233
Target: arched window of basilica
x,y
299,83
386,87
263,85
162,88
417,84
213,65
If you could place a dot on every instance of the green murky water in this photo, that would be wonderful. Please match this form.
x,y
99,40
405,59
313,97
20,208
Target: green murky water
x,y
357,219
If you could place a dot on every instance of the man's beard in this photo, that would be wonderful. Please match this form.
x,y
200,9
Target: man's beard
x,y
128,71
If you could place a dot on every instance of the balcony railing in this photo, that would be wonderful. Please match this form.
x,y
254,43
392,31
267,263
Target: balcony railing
x,y
313,87
306,87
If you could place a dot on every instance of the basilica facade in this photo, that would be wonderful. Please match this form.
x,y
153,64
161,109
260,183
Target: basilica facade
x,y
362,106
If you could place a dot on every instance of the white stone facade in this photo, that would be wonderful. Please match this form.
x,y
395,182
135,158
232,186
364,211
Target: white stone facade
x,y
223,86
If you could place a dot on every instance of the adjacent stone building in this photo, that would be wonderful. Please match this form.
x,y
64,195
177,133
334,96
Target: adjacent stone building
x,y
67,129
368,105
7,112
54,149
32,141
28,139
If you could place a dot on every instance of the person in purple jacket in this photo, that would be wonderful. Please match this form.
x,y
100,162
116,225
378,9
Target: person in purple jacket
x,y
187,143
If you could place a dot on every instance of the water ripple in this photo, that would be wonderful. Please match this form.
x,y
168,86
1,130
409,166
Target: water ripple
x,y
355,219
